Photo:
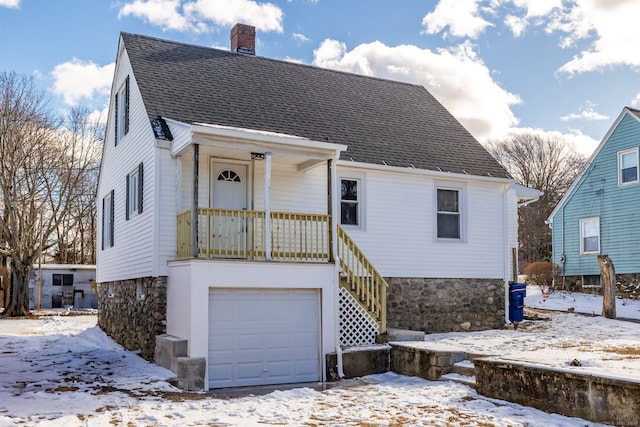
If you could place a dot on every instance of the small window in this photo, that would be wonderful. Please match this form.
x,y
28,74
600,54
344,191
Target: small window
x,y
229,175
139,289
62,279
107,220
350,202
628,166
134,192
122,112
590,236
591,281
448,213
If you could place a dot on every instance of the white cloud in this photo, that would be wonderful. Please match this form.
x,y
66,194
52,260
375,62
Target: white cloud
x,y
516,25
195,16
160,13
456,77
613,26
76,80
14,4
264,16
635,102
587,113
461,16
301,37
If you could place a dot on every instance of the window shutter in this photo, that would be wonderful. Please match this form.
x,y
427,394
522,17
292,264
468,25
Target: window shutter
x,y
115,128
128,207
126,106
113,214
103,206
140,187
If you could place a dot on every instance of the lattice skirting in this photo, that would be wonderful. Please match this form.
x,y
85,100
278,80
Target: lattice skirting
x,y
356,326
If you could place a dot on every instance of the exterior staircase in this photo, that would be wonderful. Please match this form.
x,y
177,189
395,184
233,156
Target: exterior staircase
x,y
360,278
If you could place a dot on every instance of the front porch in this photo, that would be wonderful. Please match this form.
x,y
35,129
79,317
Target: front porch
x,y
255,235
271,201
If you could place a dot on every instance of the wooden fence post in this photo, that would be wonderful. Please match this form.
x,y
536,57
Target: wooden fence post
x,y
608,286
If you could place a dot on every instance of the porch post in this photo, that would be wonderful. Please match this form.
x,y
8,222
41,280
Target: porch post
x,y
330,190
267,205
194,201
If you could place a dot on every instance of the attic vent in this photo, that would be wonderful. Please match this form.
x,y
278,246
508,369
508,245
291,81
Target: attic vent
x,y
243,39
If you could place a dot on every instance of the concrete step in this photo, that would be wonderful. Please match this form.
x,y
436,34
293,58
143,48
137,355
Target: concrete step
x,y
462,372
404,335
461,379
464,368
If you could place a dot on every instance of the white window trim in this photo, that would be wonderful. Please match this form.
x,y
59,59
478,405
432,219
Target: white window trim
x,y
622,153
108,218
140,290
582,222
360,178
133,193
123,107
461,188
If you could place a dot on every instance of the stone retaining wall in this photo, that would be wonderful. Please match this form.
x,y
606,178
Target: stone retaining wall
x,y
628,285
131,320
574,394
445,305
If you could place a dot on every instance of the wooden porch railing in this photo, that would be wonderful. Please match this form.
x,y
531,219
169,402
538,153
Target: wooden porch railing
x,y
227,233
362,279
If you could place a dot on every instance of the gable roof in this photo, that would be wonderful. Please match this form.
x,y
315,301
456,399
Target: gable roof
x,y
381,121
569,193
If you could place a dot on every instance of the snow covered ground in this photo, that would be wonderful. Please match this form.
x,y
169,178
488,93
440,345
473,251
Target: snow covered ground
x,y
63,370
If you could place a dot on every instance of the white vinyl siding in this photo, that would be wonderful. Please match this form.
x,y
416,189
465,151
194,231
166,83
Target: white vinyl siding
x,y
400,238
628,166
590,236
133,252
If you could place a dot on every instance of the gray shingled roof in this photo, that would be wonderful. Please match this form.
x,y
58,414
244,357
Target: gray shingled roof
x,y
381,121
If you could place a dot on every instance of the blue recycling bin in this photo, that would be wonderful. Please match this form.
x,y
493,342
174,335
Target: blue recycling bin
x,y
517,292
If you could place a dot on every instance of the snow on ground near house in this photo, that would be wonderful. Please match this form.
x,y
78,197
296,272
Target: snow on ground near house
x,y
63,370
602,346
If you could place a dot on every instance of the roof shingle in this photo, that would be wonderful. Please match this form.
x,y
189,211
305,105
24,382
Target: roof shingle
x,y
381,121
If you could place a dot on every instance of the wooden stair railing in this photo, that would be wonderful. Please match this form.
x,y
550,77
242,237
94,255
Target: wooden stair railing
x,y
362,280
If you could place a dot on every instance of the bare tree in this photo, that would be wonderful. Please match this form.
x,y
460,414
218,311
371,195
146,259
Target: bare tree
x,y
39,170
75,238
544,162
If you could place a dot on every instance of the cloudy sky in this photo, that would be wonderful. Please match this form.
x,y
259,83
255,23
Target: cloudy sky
x,y
500,66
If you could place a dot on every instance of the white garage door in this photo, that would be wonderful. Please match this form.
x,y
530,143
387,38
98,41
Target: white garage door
x,y
263,336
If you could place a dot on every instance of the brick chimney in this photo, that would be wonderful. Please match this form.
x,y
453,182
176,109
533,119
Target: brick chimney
x,y
243,39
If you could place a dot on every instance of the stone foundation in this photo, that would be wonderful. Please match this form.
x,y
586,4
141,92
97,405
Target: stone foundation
x,y
133,318
628,285
445,305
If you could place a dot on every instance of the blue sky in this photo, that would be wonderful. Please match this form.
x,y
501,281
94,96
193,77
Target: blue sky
x,y
565,67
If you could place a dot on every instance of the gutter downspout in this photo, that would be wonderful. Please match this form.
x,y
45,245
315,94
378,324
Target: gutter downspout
x,y
507,254
333,208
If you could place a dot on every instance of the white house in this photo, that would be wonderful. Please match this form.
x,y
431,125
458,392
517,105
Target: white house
x,y
63,285
262,213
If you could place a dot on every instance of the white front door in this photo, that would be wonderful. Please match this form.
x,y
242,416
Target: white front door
x,y
229,186
229,191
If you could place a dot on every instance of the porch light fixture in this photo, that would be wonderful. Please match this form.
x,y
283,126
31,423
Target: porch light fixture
x,y
257,156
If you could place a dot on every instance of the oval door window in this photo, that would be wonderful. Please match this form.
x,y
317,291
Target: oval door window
x,y
229,175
